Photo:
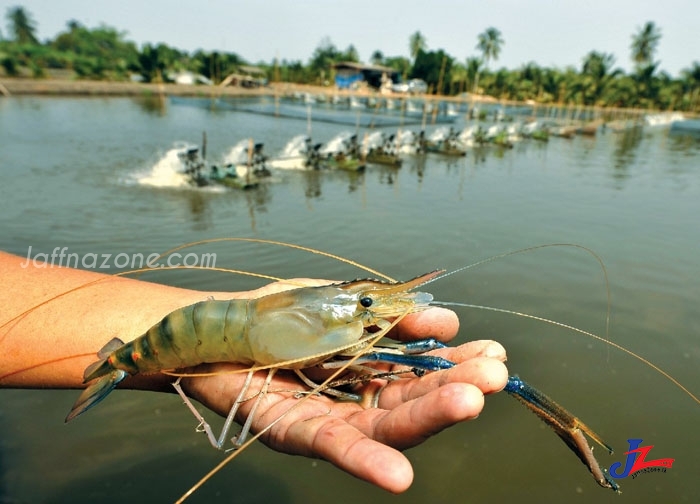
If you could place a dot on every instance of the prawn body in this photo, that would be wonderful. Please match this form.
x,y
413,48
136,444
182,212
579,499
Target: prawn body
x,y
297,329
293,329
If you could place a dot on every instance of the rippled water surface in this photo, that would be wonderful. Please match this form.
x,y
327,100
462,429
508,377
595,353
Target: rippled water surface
x,y
71,177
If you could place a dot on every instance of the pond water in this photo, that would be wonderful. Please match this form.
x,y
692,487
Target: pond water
x,y
72,176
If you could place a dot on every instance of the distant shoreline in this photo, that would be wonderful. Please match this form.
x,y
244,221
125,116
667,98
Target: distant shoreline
x,y
65,87
72,87
92,88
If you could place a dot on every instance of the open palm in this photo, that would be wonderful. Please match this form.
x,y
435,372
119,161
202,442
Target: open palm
x,y
364,441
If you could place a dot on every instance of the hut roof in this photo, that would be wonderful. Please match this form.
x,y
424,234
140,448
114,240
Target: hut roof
x,y
351,65
252,70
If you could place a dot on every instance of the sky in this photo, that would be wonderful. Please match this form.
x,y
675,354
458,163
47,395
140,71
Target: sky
x,y
550,33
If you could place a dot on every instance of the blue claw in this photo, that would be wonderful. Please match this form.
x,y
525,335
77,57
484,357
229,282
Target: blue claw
x,y
422,362
422,346
569,428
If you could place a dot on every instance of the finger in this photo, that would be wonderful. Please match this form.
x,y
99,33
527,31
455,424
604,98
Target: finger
x,y
486,374
346,447
471,349
414,421
284,285
438,323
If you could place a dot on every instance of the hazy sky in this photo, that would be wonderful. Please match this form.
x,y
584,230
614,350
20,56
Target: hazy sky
x,y
550,33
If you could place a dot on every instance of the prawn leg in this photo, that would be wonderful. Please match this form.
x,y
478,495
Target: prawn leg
x,y
329,390
204,425
240,439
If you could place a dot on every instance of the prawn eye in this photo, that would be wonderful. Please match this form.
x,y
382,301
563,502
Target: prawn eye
x,y
366,302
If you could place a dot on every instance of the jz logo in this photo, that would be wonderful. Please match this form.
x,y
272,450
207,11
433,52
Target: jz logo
x,y
636,461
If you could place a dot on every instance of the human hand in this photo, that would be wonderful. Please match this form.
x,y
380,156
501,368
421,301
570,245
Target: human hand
x,y
365,441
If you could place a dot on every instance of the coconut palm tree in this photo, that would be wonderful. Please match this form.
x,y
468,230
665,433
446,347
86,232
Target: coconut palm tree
x,y
531,81
648,85
473,66
416,43
644,44
503,84
22,25
552,85
490,43
691,81
458,78
597,75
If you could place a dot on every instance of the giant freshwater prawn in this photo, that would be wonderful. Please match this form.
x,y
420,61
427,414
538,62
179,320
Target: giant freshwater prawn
x,y
326,326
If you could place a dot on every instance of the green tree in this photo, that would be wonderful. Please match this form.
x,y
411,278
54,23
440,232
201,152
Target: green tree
x,y
9,63
530,82
377,57
501,84
670,92
416,44
323,58
458,78
621,93
473,67
428,67
552,80
21,25
153,61
399,63
597,75
489,43
97,53
648,85
350,54
644,44
691,84
213,65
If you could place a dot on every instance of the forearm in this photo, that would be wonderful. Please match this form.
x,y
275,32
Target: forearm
x,y
53,320
67,315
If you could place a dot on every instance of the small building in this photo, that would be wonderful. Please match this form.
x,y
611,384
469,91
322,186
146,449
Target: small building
x,y
349,74
246,76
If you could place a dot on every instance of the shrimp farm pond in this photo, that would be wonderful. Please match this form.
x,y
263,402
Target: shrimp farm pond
x,y
101,176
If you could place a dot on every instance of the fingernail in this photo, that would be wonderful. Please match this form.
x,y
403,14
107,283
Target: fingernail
x,y
495,350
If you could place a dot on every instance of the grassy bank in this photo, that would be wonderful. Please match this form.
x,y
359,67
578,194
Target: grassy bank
x,y
73,87
61,87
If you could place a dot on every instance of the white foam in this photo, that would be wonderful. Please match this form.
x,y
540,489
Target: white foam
x,y
294,148
168,171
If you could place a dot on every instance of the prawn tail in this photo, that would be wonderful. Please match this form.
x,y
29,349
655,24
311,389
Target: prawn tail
x,y
96,392
106,379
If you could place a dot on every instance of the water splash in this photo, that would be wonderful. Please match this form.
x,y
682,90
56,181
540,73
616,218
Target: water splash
x,y
238,153
166,172
294,148
336,144
169,172
439,134
374,139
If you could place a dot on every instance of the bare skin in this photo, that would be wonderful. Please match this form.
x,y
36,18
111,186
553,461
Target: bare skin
x,y
51,346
